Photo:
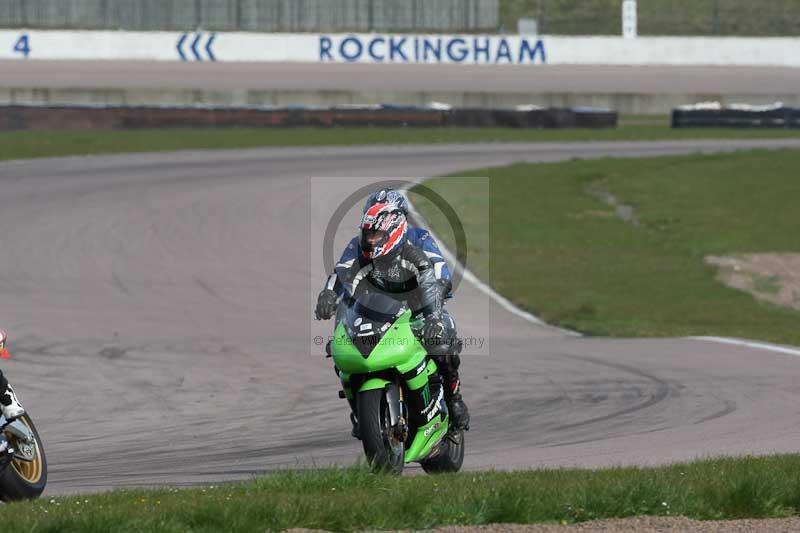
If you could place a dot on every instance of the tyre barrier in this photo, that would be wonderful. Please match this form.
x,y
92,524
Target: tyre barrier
x,y
736,116
21,117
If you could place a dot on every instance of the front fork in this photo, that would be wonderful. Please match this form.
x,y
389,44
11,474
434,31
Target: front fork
x,y
412,396
26,442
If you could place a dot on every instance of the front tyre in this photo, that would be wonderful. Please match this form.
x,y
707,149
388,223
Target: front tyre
x,y
21,479
384,451
450,456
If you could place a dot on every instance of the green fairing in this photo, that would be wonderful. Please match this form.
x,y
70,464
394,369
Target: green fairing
x,y
420,381
423,445
372,384
399,348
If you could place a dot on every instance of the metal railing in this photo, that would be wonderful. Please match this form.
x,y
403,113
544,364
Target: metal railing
x,y
658,17
255,15
564,17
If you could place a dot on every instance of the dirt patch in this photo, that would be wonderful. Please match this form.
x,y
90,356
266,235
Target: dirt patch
x,y
644,524
774,277
625,212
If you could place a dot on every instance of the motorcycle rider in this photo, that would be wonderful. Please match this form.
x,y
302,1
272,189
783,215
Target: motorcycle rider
x,y
10,406
399,259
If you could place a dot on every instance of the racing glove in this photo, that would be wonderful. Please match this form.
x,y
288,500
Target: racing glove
x,y
326,304
445,287
433,330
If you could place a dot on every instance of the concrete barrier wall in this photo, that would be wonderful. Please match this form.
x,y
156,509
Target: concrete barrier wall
x,y
381,48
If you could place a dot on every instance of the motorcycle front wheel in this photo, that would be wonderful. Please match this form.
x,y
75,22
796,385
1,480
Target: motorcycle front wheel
x,y
385,453
24,478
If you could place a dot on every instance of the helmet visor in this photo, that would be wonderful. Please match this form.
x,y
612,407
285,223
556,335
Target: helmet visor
x,y
372,238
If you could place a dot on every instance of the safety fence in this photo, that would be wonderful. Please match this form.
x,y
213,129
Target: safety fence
x,y
254,15
657,17
552,17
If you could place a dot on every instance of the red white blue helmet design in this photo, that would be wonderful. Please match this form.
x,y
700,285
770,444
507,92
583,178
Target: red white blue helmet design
x,y
389,196
383,227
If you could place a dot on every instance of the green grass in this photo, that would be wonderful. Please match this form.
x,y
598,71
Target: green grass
x,y
563,254
657,17
29,144
349,499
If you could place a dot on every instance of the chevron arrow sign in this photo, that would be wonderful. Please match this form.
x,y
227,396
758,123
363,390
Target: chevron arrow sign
x,y
190,47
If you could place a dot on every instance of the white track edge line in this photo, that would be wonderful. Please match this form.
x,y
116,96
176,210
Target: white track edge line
x,y
513,309
749,344
501,300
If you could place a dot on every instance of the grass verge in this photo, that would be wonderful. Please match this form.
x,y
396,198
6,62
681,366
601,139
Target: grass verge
x,y
559,250
30,144
349,499
656,17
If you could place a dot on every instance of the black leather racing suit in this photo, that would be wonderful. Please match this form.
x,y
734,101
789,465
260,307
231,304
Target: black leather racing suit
x,y
406,274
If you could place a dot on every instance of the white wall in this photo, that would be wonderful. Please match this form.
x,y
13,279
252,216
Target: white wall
x,y
380,48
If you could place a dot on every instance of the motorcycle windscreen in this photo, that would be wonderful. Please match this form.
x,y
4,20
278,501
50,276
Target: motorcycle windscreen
x,y
369,318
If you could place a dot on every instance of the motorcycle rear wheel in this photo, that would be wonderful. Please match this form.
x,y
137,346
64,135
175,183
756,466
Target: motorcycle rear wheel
x,y
24,480
385,453
450,456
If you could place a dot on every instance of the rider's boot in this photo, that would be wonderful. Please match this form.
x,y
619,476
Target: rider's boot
x,y
10,405
459,414
448,369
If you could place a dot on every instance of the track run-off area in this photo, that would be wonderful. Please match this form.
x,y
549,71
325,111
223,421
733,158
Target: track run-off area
x,y
704,81
160,314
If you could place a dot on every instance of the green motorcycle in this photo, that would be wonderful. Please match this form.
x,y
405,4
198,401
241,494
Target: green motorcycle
x,y
393,388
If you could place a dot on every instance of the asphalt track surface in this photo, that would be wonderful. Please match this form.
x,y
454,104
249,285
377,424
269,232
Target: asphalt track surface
x,y
160,310
131,75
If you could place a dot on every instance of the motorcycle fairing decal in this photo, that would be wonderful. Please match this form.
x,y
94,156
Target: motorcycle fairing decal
x,y
423,444
433,406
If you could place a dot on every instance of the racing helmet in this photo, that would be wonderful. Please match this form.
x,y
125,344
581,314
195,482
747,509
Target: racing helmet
x,y
383,228
389,196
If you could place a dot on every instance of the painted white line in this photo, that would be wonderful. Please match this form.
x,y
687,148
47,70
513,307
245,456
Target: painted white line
x,y
513,309
749,344
472,278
